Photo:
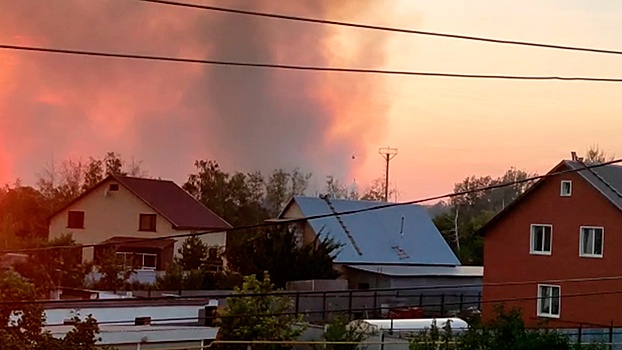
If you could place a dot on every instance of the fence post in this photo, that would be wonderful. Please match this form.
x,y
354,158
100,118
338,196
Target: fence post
x,y
376,313
611,336
479,300
461,301
443,304
324,306
382,340
350,305
579,334
297,303
420,299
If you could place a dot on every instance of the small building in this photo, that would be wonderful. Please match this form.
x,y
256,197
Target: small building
x,y
121,209
393,247
554,251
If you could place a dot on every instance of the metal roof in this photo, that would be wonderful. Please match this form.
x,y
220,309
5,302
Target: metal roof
x,y
607,179
402,234
170,200
422,271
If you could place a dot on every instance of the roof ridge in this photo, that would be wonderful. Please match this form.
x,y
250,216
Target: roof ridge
x,y
140,178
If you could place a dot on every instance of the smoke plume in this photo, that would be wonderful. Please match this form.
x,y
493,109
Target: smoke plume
x,y
169,114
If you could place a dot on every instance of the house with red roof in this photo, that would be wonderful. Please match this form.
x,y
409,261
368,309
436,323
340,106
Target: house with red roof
x,y
555,251
119,210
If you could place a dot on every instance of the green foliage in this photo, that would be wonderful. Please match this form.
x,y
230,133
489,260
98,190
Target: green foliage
x,y
595,155
24,320
114,270
192,254
258,317
53,268
176,279
466,214
338,330
505,332
277,251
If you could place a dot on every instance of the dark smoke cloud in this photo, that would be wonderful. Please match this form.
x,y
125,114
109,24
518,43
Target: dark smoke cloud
x,y
170,114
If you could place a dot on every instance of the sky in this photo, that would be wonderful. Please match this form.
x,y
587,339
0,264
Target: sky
x,y
55,107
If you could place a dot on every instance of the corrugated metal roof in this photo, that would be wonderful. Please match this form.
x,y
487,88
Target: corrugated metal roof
x,y
397,235
422,271
607,179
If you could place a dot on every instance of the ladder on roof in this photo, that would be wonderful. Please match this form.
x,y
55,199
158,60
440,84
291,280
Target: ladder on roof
x,y
401,253
343,226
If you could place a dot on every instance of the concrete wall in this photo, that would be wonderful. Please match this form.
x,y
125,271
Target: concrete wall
x,y
116,214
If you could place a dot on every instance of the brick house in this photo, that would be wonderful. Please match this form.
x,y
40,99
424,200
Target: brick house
x,y
567,226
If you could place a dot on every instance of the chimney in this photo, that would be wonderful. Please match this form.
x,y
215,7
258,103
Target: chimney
x,y
573,156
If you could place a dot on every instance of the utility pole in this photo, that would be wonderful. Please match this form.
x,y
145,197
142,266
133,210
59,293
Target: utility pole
x,y
387,153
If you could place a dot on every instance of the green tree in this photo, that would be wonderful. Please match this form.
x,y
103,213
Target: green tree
x,y
114,164
115,271
24,320
375,192
277,251
339,330
467,213
52,268
192,254
283,185
263,317
93,173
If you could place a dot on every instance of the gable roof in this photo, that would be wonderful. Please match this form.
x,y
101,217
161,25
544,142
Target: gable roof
x,y
607,179
167,199
402,234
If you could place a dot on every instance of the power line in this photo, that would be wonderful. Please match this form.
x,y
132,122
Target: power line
x,y
382,28
315,217
301,67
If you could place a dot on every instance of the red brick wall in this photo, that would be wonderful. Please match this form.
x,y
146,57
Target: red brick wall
x,y
507,257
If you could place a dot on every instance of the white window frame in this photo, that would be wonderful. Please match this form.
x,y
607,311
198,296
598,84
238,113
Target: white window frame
x,y
142,259
532,237
561,190
602,242
539,312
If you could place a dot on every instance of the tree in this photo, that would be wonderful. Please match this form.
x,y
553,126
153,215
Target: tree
x,y
93,173
114,164
24,320
277,251
260,317
595,155
467,212
192,254
115,272
52,268
376,192
339,330
334,189
283,185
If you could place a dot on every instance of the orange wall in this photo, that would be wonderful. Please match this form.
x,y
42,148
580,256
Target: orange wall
x,y
507,257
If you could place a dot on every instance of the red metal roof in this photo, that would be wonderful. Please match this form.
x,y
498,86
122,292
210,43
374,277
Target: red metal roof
x,y
175,204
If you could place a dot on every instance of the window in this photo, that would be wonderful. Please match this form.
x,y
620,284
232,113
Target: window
x,y
75,219
113,187
541,237
548,300
147,222
566,188
139,261
591,244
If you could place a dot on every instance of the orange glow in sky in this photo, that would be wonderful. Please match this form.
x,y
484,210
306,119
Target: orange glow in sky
x,y
169,114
